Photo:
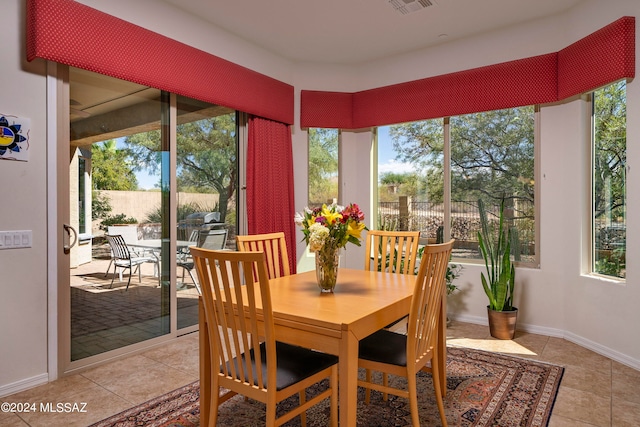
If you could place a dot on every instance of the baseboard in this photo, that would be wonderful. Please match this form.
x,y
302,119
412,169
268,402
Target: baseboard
x,y
25,384
559,333
604,351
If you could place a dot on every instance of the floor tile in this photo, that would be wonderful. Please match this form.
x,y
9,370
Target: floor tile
x,y
594,392
583,406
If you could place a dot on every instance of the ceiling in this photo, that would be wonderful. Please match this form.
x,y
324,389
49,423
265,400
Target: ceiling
x,y
355,31
325,31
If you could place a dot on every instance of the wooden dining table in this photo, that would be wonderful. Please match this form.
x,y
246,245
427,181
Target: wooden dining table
x,y
362,302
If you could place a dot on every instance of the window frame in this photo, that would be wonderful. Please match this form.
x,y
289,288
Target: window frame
x,y
592,235
447,201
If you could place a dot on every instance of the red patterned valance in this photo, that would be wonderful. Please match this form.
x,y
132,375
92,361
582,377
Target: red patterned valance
x,y
522,82
333,109
600,58
71,33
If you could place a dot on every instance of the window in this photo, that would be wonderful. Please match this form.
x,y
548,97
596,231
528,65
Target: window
x,y
433,172
323,166
608,182
492,158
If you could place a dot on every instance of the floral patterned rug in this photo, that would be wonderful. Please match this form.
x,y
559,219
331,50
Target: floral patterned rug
x,y
483,389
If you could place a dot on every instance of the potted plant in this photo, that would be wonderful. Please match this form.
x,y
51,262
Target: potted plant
x,y
499,281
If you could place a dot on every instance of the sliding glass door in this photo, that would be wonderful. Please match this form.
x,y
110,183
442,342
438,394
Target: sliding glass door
x,y
157,170
206,183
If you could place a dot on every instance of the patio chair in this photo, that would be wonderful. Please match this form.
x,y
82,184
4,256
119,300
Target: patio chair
x,y
123,259
404,355
245,356
273,245
130,235
207,239
213,239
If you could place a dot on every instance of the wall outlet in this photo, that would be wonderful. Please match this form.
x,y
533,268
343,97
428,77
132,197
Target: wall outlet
x,y
15,239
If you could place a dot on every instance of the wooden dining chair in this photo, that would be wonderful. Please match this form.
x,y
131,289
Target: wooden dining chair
x,y
405,355
273,245
391,251
240,328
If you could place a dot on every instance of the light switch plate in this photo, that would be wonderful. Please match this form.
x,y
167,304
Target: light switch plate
x,y
16,239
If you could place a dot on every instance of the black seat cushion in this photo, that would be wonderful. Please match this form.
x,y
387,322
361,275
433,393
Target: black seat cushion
x,y
293,363
385,347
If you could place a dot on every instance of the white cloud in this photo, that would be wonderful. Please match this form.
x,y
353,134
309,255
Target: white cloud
x,y
395,167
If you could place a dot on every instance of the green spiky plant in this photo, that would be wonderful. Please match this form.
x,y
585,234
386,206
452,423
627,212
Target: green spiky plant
x,y
495,247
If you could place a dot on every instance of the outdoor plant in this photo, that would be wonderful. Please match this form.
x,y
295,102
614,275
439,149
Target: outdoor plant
x,y
495,247
453,271
116,220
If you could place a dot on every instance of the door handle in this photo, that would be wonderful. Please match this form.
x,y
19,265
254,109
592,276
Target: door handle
x,y
66,237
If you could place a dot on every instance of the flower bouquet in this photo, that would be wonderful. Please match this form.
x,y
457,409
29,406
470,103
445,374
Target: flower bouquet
x,y
326,230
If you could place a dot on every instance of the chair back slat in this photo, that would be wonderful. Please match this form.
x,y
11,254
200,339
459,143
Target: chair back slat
x,y
238,313
275,248
391,251
118,247
213,239
425,303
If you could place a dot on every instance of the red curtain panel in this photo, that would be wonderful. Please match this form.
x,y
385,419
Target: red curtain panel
x,y
270,198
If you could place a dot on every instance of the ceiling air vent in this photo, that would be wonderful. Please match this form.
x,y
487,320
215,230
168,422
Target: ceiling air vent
x,y
404,7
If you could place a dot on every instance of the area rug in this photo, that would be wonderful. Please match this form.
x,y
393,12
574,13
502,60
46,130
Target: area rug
x,y
483,389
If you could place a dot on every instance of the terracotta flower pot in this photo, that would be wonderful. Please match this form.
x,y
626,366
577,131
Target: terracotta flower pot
x,y
502,324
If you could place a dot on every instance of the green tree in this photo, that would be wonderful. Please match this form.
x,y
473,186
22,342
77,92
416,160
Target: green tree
x,y
206,156
323,165
610,158
492,153
405,184
111,168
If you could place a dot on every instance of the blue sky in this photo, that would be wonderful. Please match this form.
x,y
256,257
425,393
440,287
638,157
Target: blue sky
x,y
386,154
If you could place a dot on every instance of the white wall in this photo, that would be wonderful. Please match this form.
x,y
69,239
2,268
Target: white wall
x,y
557,299
23,203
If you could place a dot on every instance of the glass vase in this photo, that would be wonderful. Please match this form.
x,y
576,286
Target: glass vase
x,y
327,260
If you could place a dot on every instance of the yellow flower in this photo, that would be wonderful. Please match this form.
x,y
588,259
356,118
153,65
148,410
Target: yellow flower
x,y
355,228
330,216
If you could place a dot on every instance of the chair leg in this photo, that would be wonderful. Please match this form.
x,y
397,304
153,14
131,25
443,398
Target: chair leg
x,y
213,406
131,273
108,268
385,382
435,375
334,396
303,415
113,277
413,400
367,391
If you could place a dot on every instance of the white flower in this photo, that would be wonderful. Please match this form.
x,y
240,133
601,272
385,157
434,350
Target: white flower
x,y
298,218
318,234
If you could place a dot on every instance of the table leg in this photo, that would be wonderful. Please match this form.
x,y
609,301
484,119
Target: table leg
x,y
205,366
348,379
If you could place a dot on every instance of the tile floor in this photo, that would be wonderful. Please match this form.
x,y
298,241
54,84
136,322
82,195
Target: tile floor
x,y
595,391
